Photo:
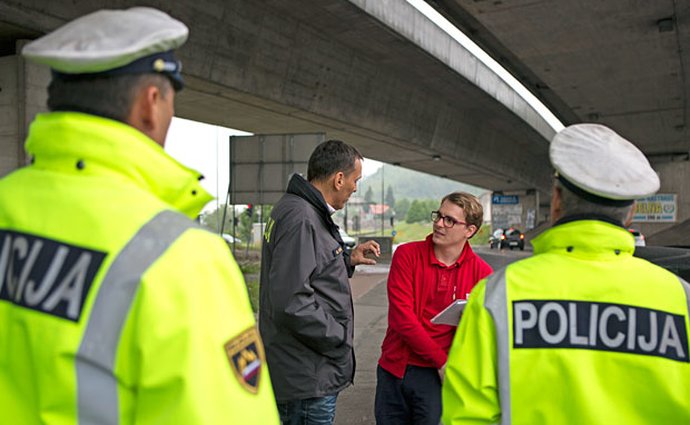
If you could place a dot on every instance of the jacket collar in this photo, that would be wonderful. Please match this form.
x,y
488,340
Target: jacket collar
x,y
83,144
591,216
585,237
299,186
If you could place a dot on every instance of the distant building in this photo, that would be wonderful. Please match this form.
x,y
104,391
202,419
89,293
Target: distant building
x,y
378,209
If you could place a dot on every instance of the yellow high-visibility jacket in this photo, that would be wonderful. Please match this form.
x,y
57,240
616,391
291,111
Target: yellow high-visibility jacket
x,y
580,333
115,307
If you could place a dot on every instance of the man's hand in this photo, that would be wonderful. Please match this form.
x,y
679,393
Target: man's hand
x,y
360,252
442,373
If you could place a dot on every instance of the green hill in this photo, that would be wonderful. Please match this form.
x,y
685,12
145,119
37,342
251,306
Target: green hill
x,y
412,184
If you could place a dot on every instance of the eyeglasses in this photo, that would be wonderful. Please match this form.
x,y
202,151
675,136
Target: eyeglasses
x,y
447,221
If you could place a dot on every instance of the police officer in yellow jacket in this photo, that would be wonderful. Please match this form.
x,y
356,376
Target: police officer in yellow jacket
x,y
582,332
115,308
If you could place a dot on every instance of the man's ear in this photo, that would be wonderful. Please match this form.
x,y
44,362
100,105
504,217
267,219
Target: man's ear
x,y
629,218
338,180
473,231
144,114
556,207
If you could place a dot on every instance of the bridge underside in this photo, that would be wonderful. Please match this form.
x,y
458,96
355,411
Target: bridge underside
x,y
284,66
624,63
381,76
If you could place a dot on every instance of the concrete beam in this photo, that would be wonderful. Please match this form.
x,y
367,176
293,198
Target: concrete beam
x,y
387,81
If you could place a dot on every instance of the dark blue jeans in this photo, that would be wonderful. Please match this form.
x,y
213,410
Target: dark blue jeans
x,y
310,411
413,400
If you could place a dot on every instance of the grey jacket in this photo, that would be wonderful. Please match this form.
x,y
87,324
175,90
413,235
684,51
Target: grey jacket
x,y
305,313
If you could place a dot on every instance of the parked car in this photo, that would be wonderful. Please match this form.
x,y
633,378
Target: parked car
x,y
229,239
350,242
639,237
513,238
495,239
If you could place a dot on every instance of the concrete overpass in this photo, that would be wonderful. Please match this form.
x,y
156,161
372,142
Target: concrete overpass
x,y
375,73
622,63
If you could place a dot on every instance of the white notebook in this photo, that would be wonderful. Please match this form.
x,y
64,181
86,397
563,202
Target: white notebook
x,y
451,314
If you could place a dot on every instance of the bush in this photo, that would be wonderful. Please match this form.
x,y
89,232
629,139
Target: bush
x,y
417,213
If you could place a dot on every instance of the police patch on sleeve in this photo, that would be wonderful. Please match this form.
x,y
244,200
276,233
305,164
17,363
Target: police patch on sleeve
x,y
246,355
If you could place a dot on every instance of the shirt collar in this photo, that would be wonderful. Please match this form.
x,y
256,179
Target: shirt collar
x,y
432,256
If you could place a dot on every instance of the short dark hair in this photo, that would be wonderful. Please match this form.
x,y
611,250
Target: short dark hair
x,y
573,204
330,157
106,96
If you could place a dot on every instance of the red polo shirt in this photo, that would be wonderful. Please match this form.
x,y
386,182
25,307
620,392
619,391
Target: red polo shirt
x,y
419,287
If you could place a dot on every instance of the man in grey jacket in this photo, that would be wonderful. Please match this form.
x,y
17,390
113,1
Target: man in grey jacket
x,y
306,315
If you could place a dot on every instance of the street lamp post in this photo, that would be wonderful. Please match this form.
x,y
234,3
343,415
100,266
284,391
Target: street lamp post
x,y
382,199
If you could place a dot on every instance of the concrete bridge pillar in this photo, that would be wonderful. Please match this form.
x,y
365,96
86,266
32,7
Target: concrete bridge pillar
x,y
22,95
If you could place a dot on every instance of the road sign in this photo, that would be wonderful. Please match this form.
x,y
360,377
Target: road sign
x,y
505,199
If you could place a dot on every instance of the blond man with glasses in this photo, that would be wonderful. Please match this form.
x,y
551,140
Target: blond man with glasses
x,y
425,277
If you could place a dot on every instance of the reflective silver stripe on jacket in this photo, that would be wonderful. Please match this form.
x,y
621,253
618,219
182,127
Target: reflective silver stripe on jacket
x,y
95,359
497,305
686,288
495,301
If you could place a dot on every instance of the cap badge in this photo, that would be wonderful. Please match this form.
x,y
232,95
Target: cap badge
x,y
159,65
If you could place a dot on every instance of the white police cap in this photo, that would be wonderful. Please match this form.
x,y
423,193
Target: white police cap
x,y
136,40
595,162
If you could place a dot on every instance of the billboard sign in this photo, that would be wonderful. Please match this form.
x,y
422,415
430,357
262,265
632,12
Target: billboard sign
x,y
261,165
506,211
659,208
